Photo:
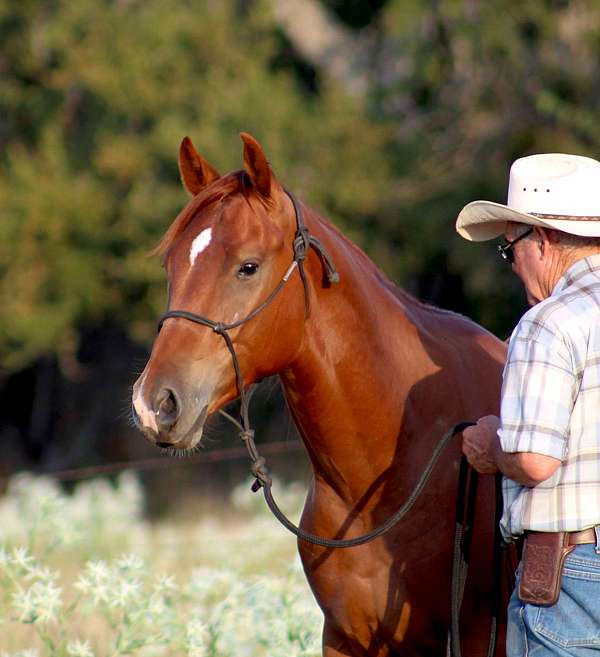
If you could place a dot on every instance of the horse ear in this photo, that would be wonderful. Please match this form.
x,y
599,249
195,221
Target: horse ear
x,y
196,172
256,165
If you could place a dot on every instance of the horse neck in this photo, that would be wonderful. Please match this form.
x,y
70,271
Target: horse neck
x,y
345,386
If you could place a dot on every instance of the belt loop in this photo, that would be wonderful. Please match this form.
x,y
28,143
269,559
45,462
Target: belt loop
x,y
597,532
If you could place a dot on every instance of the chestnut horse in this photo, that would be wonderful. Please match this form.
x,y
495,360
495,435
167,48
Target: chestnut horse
x,y
373,379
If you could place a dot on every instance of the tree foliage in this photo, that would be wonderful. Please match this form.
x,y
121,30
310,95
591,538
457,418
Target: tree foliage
x,y
95,96
471,86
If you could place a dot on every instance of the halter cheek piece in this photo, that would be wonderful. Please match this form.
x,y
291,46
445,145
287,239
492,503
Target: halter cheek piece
x,y
303,241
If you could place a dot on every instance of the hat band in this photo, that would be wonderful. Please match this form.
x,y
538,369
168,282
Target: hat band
x,y
568,217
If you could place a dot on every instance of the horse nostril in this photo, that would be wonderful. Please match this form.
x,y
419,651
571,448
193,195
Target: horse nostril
x,y
167,409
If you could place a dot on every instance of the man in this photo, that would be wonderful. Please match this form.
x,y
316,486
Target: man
x,y
547,439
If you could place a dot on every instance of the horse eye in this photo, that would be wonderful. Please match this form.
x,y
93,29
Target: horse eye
x,y
247,269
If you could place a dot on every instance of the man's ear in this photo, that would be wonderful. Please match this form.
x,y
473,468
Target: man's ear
x,y
543,239
196,172
256,165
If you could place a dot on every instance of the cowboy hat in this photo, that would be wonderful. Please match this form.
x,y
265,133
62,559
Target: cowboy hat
x,y
552,190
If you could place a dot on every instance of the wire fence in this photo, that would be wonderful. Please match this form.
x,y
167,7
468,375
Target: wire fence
x,y
159,462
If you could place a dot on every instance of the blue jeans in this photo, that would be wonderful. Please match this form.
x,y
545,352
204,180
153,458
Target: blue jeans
x,y
571,627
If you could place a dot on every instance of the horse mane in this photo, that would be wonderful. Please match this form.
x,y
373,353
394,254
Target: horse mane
x,y
217,192
237,181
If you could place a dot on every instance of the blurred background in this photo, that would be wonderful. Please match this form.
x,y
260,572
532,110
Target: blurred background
x,y
387,116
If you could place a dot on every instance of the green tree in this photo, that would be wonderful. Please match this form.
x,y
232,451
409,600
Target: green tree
x,y
470,87
97,96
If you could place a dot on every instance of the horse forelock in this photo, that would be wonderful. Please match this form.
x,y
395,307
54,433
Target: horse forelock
x,y
215,193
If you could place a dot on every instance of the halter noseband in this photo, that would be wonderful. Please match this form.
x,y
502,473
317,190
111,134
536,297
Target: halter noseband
x,y
303,240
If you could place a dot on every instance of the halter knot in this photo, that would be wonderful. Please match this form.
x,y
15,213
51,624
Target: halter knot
x,y
259,470
301,244
247,434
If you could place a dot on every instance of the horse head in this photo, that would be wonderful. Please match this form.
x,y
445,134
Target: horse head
x,y
224,254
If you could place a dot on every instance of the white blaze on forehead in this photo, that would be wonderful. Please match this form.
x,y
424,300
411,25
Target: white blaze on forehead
x,y
199,244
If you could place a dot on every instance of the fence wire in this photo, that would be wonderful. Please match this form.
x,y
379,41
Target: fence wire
x,y
159,462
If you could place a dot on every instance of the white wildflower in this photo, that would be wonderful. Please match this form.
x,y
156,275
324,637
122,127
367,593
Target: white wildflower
x,y
22,559
44,574
130,562
198,638
23,602
95,581
157,606
125,592
165,584
40,602
79,649
98,570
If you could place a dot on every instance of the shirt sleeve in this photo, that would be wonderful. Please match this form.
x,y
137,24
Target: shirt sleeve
x,y
538,392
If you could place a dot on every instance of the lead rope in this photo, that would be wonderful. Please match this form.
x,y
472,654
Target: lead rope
x,y
263,480
465,519
468,480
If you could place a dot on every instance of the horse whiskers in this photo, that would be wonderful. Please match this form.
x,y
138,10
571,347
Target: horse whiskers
x,y
209,434
173,452
126,413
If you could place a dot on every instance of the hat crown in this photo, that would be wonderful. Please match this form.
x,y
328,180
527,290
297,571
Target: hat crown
x,y
555,184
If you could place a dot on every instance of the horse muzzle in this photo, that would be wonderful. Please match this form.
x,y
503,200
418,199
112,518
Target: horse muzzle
x,y
167,418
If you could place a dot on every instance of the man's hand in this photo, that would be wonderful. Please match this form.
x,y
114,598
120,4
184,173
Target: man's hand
x,y
480,444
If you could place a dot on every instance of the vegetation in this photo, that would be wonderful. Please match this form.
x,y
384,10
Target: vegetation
x,y
98,96
95,97
84,575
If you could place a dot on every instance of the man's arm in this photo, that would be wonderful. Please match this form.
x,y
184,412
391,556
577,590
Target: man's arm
x,y
481,446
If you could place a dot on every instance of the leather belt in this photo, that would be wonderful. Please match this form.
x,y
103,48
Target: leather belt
x,y
584,536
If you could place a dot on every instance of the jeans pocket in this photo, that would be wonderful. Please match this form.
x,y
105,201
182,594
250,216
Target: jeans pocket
x,y
575,619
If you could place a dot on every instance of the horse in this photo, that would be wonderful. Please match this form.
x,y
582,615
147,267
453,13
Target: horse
x,y
373,378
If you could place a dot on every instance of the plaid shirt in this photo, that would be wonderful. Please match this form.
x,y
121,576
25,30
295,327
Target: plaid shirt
x,y
551,405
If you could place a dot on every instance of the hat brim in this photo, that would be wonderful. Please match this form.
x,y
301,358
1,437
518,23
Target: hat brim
x,y
484,220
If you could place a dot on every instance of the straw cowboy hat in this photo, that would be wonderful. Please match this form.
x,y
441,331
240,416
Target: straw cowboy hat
x,y
552,190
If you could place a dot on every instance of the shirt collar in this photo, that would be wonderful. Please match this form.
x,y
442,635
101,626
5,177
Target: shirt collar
x,y
579,269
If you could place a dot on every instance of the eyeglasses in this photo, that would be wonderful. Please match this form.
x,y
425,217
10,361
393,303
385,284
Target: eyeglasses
x,y
506,250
